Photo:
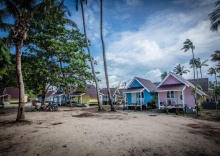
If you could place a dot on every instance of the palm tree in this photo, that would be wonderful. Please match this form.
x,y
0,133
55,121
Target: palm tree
x,y
104,58
180,70
90,56
201,64
196,65
194,92
214,17
163,75
22,12
213,71
189,45
216,56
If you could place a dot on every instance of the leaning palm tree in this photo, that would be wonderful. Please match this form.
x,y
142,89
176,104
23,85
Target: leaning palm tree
x,y
189,45
22,12
201,64
213,71
163,75
90,56
180,70
104,58
214,17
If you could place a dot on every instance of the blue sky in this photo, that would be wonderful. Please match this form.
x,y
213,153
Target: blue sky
x,y
143,38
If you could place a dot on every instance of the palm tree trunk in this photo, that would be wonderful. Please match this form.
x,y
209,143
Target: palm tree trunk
x,y
90,58
216,83
104,59
201,71
193,64
21,108
197,73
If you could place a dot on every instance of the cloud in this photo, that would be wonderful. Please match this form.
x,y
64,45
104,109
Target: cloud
x,y
154,45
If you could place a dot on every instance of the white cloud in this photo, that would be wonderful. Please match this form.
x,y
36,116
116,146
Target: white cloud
x,y
154,75
155,45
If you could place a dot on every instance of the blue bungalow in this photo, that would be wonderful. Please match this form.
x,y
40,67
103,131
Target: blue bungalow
x,y
139,92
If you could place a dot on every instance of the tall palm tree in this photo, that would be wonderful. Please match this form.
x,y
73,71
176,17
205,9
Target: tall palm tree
x,y
23,13
180,70
104,58
163,75
90,56
214,17
213,71
201,64
189,45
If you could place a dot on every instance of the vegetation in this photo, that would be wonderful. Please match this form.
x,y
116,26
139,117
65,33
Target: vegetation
x,y
187,45
194,93
180,70
22,12
4,59
214,17
163,75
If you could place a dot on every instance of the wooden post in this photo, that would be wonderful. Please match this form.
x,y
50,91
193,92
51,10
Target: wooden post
x,y
158,96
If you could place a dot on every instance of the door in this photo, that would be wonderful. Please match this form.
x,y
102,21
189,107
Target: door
x,y
133,99
180,98
84,99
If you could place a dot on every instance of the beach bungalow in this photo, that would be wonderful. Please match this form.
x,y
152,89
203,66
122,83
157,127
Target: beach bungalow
x,y
58,97
115,93
48,96
176,92
11,94
139,92
85,96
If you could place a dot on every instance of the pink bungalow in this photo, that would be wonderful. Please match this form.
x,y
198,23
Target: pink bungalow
x,y
174,91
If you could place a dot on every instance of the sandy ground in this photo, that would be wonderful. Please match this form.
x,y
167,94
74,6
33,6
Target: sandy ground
x,y
70,132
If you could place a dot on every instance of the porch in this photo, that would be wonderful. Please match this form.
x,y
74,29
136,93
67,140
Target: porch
x,y
171,96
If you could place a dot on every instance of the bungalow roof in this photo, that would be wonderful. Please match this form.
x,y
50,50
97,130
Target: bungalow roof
x,y
133,90
91,91
105,92
50,93
173,87
14,92
147,84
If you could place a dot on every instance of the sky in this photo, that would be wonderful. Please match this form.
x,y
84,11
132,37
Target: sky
x,y
143,38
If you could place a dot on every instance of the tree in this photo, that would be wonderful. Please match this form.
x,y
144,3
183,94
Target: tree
x,y
90,56
22,12
104,57
216,56
214,17
213,71
194,92
163,75
4,59
180,70
189,45
200,64
196,61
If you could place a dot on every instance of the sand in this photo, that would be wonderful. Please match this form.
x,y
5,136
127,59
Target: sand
x,y
70,132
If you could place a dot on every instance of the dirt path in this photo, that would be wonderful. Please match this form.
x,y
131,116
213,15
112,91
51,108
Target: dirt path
x,y
121,133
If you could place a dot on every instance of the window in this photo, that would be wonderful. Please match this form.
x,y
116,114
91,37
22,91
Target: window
x,y
142,95
170,94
